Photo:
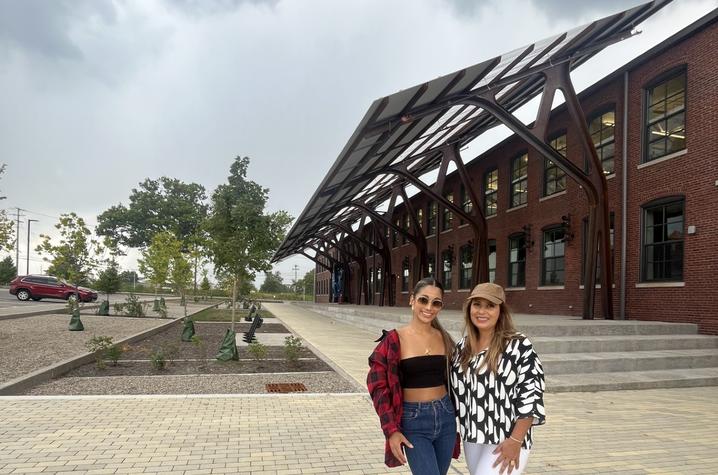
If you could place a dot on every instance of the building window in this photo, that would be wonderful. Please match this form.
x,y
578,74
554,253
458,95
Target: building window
x,y
666,118
448,216
519,180
395,234
446,258
491,192
517,260
467,257
465,201
406,227
602,130
420,218
492,260
405,275
554,178
432,264
371,285
431,219
378,279
552,259
662,258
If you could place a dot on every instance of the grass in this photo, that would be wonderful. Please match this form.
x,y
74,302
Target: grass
x,y
225,315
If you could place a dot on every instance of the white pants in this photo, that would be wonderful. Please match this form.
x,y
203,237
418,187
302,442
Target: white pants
x,y
480,459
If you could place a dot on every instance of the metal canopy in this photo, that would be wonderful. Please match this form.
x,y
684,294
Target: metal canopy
x,y
413,125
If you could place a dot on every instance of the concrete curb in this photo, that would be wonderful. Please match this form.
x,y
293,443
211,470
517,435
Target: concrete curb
x,y
337,369
18,385
92,306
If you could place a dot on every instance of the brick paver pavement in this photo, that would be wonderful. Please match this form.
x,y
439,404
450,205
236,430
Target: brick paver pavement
x,y
667,431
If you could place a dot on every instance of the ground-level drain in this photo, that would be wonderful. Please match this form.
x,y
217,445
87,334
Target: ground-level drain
x,y
285,387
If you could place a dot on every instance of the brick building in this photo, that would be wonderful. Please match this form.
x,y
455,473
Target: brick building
x,y
654,125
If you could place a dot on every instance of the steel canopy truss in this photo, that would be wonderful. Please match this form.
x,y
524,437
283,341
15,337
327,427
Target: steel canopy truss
x,y
409,134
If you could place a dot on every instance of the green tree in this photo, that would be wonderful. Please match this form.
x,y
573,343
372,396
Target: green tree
x,y
156,259
8,271
205,286
163,205
241,237
7,232
306,284
75,256
273,283
180,276
109,279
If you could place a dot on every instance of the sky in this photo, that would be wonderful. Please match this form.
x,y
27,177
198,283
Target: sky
x,y
97,95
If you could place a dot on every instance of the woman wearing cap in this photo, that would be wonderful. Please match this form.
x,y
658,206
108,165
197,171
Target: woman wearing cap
x,y
497,383
408,384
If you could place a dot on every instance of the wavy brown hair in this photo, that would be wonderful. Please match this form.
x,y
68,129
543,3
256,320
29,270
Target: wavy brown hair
x,y
448,341
504,331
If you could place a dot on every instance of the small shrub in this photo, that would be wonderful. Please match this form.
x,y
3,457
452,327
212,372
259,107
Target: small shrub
x,y
118,308
257,350
133,307
171,352
113,353
292,348
161,310
158,359
99,346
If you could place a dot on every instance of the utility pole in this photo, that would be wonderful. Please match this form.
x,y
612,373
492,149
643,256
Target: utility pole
x,y
295,269
27,269
17,243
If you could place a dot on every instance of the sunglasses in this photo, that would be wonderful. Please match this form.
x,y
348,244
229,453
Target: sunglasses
x,y
423,300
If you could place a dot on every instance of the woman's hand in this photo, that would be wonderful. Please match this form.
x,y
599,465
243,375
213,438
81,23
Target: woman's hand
x,y
395,441
508,451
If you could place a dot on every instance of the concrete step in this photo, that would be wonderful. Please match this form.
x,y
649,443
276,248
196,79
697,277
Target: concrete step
x,y
372,319
670,378
606,343
600,362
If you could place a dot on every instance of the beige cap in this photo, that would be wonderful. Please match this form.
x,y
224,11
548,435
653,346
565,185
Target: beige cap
x,y
491,292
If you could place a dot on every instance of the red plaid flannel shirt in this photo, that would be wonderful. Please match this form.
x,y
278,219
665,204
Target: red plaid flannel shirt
x,y
385,390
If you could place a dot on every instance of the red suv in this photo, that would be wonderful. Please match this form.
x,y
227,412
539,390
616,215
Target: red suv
x,y
38,287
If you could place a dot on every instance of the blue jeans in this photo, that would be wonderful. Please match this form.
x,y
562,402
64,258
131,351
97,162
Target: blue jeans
x,y
431,429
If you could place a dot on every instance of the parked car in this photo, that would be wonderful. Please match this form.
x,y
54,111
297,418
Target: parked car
x,y
38,287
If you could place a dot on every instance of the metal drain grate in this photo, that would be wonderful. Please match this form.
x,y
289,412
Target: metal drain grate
x,y
285,388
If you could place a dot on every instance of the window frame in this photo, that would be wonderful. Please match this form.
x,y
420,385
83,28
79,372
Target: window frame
x,y
556,228
519,262
597,114
465,281
559,171
658,80
662,202
494,193
523,178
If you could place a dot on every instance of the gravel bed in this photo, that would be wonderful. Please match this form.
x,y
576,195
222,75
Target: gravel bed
x,y
328,382
30,343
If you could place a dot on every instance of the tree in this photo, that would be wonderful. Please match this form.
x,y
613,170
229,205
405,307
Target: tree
x,y
273,283
8,271
163,205
109,279
74,257
156,259
7,233
306,284
129,277
205,286
241,237
180,276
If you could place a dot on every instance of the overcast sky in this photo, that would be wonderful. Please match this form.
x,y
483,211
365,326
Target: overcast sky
x,y
97,95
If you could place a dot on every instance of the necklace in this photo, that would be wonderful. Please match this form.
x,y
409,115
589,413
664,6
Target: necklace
x,y
428,351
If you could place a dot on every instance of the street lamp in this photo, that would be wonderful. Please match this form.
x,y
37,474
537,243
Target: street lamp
x,y
27,269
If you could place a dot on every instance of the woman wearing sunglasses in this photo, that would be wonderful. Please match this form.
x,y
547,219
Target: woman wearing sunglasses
x,y
497,383
408,385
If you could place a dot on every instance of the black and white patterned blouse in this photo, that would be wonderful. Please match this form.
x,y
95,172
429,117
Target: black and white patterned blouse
x,y
488,404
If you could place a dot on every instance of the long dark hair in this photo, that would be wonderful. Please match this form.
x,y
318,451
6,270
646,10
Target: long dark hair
x,y
448,341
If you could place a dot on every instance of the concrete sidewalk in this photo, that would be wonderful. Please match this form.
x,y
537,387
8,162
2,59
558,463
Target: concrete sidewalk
x,y
667,431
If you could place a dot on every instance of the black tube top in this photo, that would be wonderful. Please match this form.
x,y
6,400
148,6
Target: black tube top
x,y
423,371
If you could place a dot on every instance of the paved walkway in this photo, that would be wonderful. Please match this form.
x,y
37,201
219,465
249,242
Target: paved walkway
x,y
669,431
